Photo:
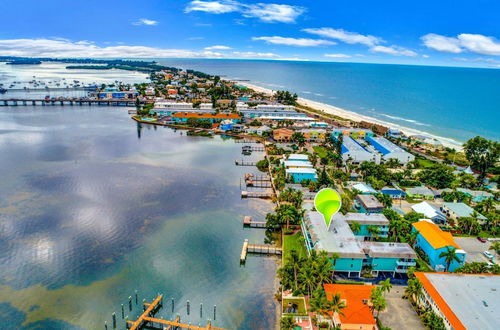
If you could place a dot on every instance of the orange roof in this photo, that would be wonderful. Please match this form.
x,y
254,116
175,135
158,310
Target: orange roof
x,y
356,311
443,306
434,235
206,115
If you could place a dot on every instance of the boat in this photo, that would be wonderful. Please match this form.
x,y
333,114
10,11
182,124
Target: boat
x,y
3,91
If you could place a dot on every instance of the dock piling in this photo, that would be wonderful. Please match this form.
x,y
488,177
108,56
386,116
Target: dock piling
x,y
114,320
187,306
215,312
123,312
130,303
201,310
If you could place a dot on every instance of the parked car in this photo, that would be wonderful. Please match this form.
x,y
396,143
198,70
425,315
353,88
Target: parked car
x,y
488,255
481,239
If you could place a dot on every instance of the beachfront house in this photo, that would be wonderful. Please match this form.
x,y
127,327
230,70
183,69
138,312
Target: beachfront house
x,y
353,152
476,195
433,241
356,133
318,124
313,135
430,212
460,210
421,192
393,192
258,130
390,150
368,204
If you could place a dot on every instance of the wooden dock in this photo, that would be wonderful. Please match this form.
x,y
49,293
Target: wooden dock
x,y
257,177
257,194
253,148
249,222
258,184
258,249
244,163
246,141
147,320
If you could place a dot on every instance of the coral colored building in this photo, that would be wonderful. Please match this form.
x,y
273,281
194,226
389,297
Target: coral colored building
x,y
357,314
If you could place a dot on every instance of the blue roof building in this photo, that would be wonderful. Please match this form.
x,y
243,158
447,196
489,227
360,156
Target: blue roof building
x,y
390,150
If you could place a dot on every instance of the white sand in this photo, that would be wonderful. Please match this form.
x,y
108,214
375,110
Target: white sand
x,y
447,142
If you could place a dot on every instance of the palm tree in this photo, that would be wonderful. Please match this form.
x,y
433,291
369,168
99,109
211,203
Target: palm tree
x,y
294,260
307,278
374,231
385,285
449,256
337,305
495,246
414,290
287,323
355,227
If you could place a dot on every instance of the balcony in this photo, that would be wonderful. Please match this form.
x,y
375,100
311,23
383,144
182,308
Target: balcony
x,y
406,263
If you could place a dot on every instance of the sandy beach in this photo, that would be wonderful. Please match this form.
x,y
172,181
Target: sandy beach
x,y
448,142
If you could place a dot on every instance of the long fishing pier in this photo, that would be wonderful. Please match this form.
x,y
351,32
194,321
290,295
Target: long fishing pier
x,y
258,249
60,101
257,194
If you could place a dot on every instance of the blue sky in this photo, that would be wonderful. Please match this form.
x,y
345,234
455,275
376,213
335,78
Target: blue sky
x,y
444,32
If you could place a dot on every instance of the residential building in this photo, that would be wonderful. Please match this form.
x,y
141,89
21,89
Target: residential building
x,y
363,188
426,142
298,157
182,117
275,117
353,152
258,130
300,174
356,133
433,241
430,212
318,124
367,221
297,164
421,192
460,210
357,314
463,301
369,204
476,195
274,107
390,150
313,135
335,236
393,192
282,134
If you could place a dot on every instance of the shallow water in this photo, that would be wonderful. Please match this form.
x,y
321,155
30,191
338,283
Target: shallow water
x,y
93,207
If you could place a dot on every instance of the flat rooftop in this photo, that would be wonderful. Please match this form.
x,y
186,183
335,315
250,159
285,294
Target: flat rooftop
x,y
369,201
297,163
388,250
366,218
301,170
473,298
351,145
337,238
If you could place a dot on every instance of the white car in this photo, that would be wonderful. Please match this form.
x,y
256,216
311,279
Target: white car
x,y
488,255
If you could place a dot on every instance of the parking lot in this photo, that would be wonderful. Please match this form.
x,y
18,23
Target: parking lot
x,y
399,314
475,249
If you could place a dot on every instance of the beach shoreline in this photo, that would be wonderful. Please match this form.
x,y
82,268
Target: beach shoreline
x,y
351,115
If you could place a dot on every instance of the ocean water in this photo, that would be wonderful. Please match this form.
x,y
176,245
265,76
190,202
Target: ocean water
x,y
94,207
456,103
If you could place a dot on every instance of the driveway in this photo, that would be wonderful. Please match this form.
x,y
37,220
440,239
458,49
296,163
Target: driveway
x,y
475,249
399,315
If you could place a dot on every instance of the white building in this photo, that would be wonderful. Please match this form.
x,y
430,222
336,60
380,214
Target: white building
x,y
352,151
390,150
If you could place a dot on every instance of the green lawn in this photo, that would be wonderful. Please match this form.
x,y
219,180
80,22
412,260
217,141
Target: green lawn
x,y
424,163
320,151
301,308
294,242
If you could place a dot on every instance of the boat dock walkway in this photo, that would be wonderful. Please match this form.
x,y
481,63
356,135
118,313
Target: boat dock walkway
x,y
244,163
147,320
257,194
246,141
249,222
253,148
258,249
257,177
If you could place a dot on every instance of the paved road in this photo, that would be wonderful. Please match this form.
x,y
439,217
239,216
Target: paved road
x,y
399,315
475,249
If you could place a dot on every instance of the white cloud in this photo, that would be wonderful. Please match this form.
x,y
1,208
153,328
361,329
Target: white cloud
x,y
299,42
79,49
345,36
255,55
425,56
337,55
475,43
214,7
441,43
145,21
273,12
266,12
393,50
217,47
